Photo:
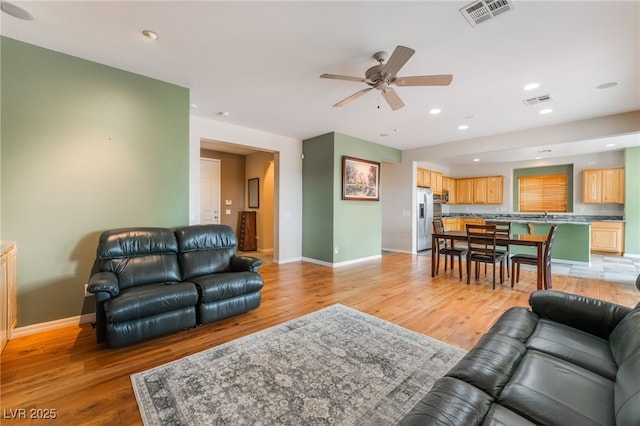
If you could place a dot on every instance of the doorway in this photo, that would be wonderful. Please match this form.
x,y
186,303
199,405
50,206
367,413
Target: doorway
x,y
209,191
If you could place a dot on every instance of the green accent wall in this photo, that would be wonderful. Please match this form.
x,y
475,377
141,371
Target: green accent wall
x,y
572,241
542,171
328,221
632,201
85,148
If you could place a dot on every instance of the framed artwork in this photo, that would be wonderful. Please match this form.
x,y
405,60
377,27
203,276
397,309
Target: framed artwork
x,y
254,193
360,179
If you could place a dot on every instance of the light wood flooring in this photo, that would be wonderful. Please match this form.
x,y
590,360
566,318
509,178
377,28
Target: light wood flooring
x,y
88,384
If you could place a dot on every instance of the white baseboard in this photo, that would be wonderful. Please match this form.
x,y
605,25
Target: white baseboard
x,y
398,251
52,325
339,264
290,260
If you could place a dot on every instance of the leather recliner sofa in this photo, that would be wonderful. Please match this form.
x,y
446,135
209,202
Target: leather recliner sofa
x,y
150,282
569,360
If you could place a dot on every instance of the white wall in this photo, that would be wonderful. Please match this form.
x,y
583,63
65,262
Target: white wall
x,y
287,185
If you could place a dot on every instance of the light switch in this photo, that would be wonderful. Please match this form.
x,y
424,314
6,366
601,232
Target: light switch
x,y
227,211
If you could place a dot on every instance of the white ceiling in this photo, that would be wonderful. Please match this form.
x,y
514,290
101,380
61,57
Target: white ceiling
x,y
261,61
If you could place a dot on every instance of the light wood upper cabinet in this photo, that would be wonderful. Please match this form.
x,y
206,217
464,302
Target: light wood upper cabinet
x,y
480,190
603,186
429,179
464,191
449,185
436,182
591,186
495,189
613,185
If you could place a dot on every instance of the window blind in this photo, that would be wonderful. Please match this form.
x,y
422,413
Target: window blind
x,y
543,193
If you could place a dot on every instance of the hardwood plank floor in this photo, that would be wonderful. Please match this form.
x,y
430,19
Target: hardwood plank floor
x,y
88,384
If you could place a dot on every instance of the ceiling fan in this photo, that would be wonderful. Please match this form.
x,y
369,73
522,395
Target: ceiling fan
x,y
383,75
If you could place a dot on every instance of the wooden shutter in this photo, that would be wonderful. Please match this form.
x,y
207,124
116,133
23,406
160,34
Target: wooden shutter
x,y
547,193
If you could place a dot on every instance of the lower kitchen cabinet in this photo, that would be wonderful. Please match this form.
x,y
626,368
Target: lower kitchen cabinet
x,y
607,237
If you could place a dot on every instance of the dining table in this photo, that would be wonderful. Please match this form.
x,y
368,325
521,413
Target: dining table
x,y
527,240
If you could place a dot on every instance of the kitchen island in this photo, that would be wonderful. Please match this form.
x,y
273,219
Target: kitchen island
x,y
573,238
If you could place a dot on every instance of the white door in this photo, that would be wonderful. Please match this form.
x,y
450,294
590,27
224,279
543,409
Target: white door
x,y
209,190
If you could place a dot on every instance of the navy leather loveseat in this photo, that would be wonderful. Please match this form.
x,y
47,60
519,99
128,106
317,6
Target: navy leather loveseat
x,y
150,282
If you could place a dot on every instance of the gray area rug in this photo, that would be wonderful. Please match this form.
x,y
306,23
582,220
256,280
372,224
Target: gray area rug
x,y
334,366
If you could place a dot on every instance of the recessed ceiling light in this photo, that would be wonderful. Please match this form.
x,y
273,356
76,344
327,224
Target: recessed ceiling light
x,y
531,86
475,160
609,145
15,11
151,35
463,127
608,85
194,106
396,130
224,113
545,111
538,158
434,111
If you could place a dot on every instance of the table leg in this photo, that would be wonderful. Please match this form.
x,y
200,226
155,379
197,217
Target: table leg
x,y
433,256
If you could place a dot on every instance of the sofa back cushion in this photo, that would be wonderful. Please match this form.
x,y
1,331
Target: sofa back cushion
x,y
625,347
139,256
205,249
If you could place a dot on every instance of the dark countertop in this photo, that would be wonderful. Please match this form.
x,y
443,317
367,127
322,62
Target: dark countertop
x,y
572,219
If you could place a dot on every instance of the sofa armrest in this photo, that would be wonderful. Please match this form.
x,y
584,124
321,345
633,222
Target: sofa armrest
x,y
104,282
593,316
245,263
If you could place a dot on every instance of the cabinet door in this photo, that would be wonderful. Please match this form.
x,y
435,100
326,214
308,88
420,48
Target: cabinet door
x,y
449,185
480,190
464,191
613,186
495,185
591,186
607,237
436,181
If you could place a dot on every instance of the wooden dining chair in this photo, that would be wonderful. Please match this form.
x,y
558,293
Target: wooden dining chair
x,y
503,230
447,249
532,259
481,241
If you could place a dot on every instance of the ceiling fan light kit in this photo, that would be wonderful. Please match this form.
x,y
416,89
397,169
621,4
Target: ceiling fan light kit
x,y
383,75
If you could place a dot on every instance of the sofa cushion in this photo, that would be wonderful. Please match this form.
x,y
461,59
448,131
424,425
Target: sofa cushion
x,y
551,391
205,249
450,402
625,338
575,346
501,416
139,256
151,299
517,322
227,284
627,392
490,364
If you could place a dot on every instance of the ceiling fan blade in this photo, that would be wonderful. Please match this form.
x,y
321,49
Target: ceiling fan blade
x,y
398,58
392,98
424,80
352,97
343,77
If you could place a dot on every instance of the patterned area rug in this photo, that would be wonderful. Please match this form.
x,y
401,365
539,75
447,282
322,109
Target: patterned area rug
x,y
335,366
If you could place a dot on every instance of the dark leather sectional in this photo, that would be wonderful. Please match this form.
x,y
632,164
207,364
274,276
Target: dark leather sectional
x,y
569,360
150,282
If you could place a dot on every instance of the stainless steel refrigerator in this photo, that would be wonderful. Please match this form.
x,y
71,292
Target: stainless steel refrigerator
x,y
425,218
